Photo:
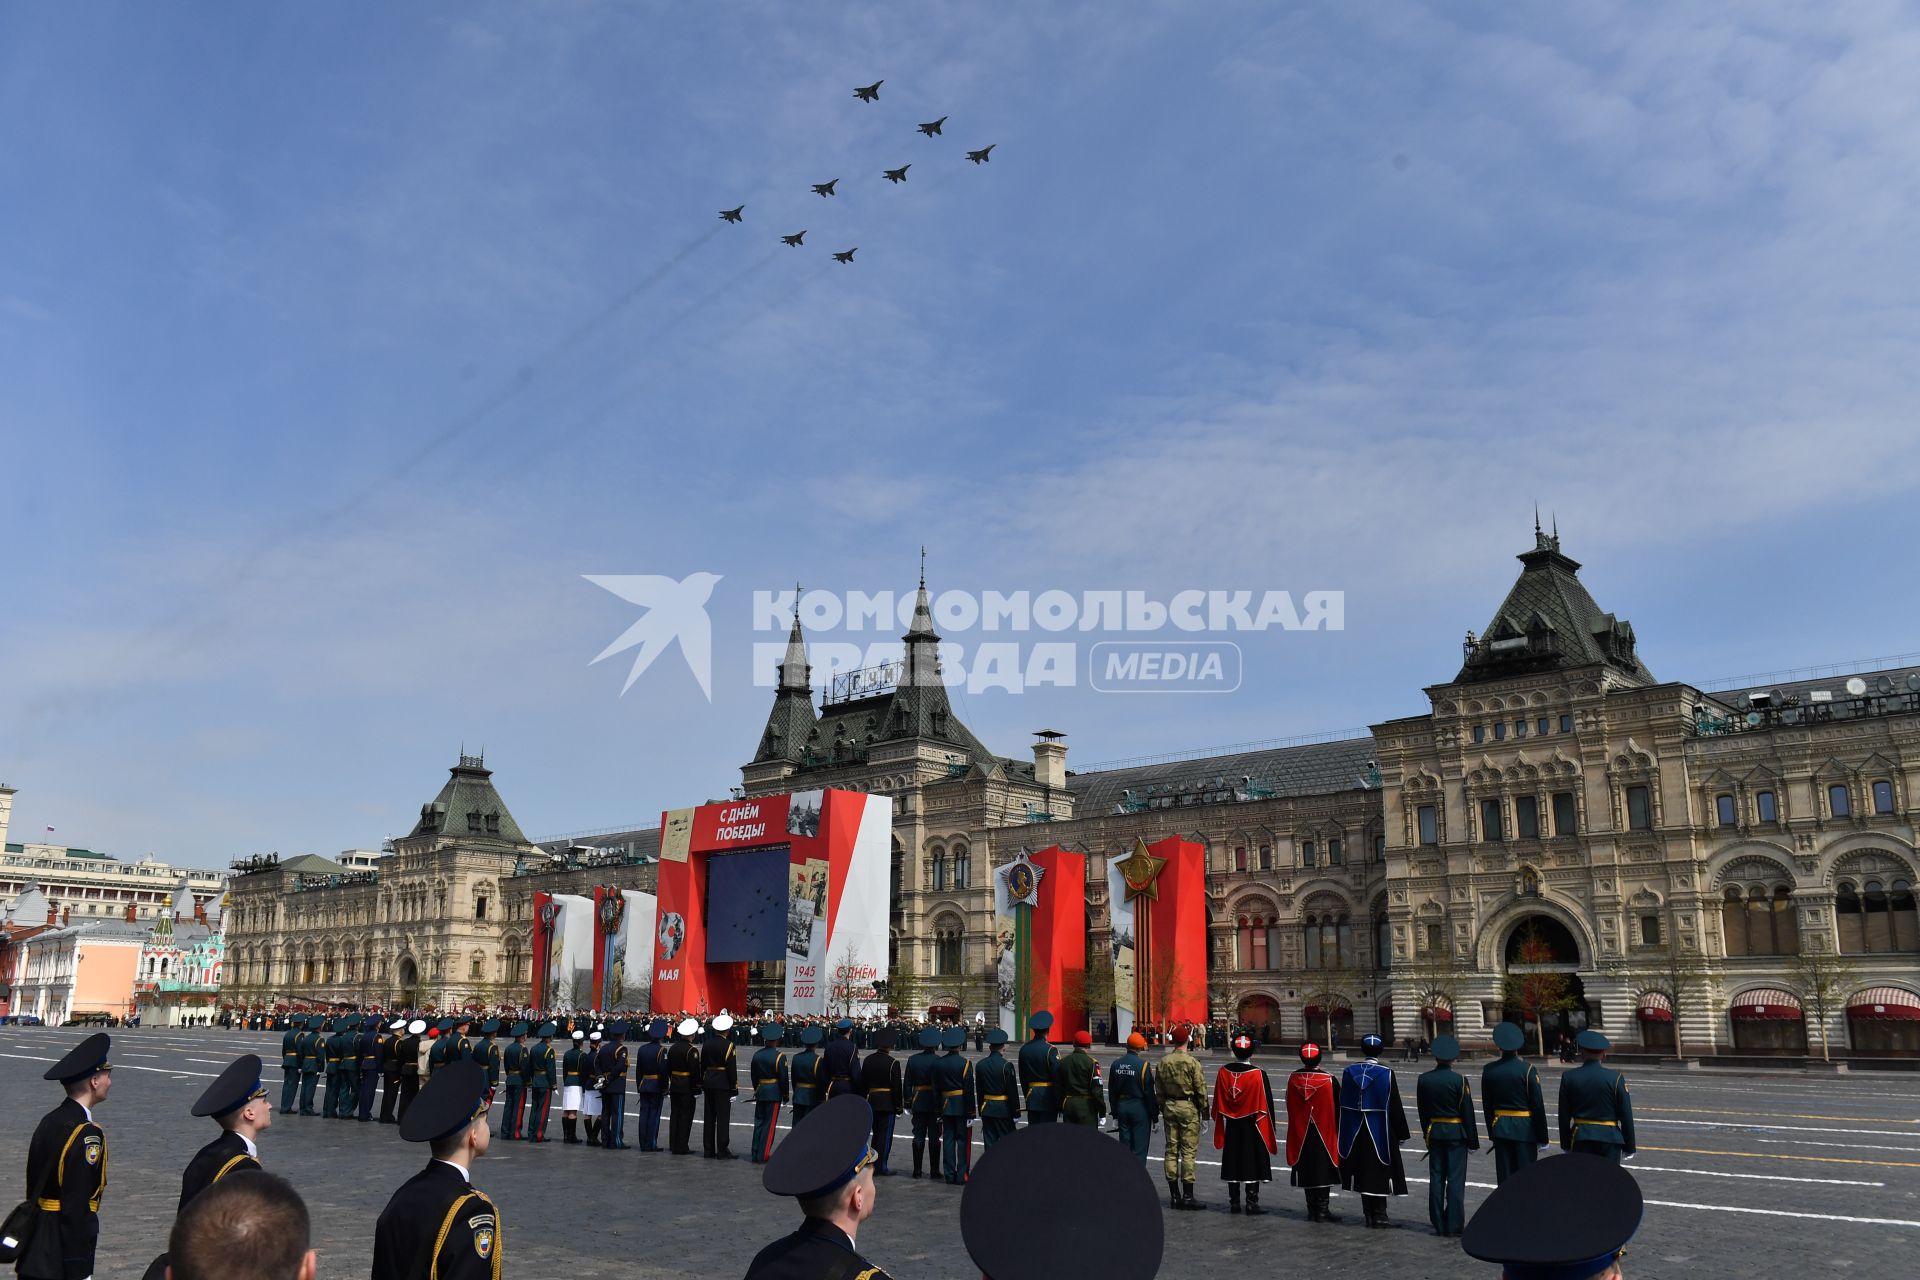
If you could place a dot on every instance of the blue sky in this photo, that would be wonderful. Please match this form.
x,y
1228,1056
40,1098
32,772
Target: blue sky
x,y
340,341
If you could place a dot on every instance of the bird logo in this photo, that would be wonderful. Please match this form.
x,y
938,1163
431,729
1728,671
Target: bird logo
x,y
674,611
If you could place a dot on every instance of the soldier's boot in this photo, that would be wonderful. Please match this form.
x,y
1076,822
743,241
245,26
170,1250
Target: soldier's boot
x,y
593,1131
1376,1207
1186,1190
1253,1200
1233,1197
919,1154
1326,1207
1173,1193
568,1137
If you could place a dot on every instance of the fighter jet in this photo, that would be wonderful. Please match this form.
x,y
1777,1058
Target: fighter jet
x,y
847,256
932,127
871,93
824,188
896,175
793,239
732,215
980,156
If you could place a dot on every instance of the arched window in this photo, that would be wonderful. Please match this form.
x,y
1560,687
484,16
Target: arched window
x,y
1876,916
1257,939
962,867
1757,916
939,877
947,948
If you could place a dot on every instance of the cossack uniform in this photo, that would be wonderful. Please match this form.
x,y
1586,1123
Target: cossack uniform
x,y
1313,1128
1243,1127
1373,1124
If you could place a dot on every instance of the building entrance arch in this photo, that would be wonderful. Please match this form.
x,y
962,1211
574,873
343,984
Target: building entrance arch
x,y
1259,1016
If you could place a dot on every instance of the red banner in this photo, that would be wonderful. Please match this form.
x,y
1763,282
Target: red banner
x,y
542,948
741,824
1059,964
1174,976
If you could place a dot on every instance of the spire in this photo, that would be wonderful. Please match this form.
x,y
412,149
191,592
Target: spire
x,y
795,674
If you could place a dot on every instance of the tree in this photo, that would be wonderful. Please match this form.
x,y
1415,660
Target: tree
x,y
579,990
906,989
1680,976
1327,990
1436,977
1540,991
1169,986
1825,979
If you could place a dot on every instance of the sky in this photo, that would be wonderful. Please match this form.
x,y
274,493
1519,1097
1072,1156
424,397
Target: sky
x,y
341,343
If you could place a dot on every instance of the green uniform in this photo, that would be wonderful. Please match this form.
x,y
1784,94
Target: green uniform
x,y
313,1055
772,1085
808,1090
1039,1067
923,1102
1182,1092
1445,1104
1516,1113
997,1091
1595,1114
1082,1100
953,1076
289,1070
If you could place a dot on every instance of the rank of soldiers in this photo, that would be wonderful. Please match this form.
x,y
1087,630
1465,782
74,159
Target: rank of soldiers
x,y
438,1083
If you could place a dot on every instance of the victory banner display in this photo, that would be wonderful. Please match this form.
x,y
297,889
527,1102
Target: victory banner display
x,y
800,879
563,951
624,922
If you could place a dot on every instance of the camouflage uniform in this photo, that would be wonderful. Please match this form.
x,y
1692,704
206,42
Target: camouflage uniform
x,y
1182,1091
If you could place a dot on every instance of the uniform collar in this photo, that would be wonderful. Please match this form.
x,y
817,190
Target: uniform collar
x,y
248,1143
466,1175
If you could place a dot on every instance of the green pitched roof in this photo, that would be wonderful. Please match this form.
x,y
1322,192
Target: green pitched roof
x,y
1549,622
468,808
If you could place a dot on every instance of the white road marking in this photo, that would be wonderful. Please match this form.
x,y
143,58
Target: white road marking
x,y
1758,1177
1765,1213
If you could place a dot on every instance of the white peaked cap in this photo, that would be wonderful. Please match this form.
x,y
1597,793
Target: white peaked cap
x,y
579,1035
396,1024
594,1036
688,1026
415,1027
722,1023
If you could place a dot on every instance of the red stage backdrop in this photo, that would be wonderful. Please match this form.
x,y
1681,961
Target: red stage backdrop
x,y
1174,976
838,848
1059,964
542,942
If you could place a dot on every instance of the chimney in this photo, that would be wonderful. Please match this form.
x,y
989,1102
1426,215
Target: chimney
x,y
1050,759
199,911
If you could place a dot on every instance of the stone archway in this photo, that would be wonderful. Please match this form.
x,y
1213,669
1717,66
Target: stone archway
x,y
1541,989
1259,1016
408,974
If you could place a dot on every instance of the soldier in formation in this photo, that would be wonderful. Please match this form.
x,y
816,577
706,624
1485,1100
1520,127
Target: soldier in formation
x,y
923,1102
719,1086
772,1086
1444,1102
1515,1109
1373,1124
438,1223
1313,1126
1596,1116
1182,1093
881,1083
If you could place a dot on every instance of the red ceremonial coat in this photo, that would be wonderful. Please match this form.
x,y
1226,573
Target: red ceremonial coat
x,y
1242,1095
1312,1103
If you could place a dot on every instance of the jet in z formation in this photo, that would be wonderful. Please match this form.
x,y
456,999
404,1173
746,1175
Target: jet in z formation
x,y
870,93
896,175
824,188
794,239
847,256
980,156
932,127
731,215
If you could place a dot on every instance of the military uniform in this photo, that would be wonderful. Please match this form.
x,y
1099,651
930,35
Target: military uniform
x,y
1313,1128
1131,1097
438,1223
1182,1091
771,1086
1596,1116
407,1054
1243,1127
290,1066
1557,1220
719,1086
1444,1102
542,1069
881,1083
840,1062
1082,1101
650,1085
369,1066
923,1100
613,1089
571,1072
996,1090
513,1073
953,1078
313,1058
683,1081
1039,1068
67,1175
808,1086
1516,1111
815,1161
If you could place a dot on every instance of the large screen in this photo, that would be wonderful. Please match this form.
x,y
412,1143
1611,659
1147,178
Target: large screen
x,y
747,895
